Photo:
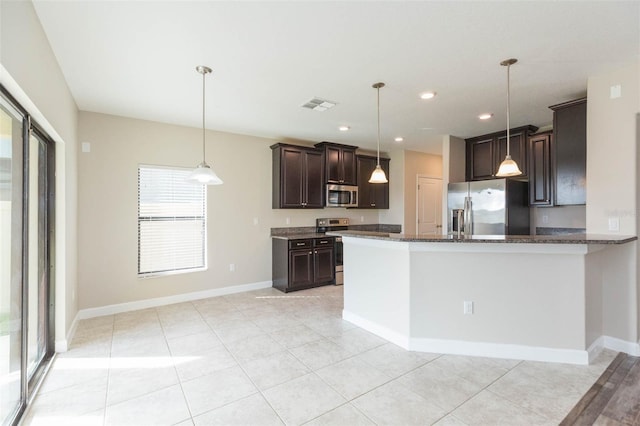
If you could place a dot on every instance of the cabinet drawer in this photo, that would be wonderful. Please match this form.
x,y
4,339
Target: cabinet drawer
x,y
323,242
300,244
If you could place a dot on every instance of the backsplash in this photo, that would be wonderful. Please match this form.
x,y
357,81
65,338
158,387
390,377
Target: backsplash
x,y
559,231
377,227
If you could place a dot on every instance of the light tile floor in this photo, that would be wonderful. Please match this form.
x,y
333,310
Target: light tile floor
x,y
266,358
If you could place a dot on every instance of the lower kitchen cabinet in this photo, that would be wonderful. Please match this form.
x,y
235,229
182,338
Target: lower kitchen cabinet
x,y
302,263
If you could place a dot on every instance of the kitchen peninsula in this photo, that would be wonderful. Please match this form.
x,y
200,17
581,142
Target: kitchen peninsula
x,y
546,298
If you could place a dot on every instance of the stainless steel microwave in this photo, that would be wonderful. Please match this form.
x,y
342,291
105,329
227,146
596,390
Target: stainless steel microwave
x,y
341,196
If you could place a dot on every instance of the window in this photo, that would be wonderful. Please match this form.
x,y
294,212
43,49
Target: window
x,y
171,222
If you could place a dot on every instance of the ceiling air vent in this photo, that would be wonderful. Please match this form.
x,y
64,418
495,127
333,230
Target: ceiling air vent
x,y
318,104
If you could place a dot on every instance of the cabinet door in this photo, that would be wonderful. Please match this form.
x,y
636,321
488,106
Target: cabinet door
x,y
540,177
381,190
570,140
518,151
480,159
291,180
349,167
334,164
372,195
324,267
313,178
366,195
300,268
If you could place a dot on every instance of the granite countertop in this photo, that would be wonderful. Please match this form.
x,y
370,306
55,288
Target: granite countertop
x,y
517,239
301,236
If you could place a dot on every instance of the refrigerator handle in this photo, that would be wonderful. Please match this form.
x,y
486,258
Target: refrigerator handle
x,y
468,216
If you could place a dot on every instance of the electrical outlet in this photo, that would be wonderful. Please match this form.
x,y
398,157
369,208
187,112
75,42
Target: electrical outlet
x,y
467,307
288,221
361,218
545,218
232,267
255,220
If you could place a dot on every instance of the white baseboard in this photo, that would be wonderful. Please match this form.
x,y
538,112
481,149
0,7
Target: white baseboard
x,y
619,345
62,345
500,350
459,347
161,301
384,332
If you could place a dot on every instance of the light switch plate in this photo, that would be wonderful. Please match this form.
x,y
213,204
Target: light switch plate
x,y
86,147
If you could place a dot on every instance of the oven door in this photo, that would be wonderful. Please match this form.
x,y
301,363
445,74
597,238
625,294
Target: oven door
x,y
339,263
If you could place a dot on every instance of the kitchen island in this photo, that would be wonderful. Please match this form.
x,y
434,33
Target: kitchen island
x,y
547,298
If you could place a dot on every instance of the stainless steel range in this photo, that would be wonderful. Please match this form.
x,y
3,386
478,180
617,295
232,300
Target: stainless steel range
x,y
335,224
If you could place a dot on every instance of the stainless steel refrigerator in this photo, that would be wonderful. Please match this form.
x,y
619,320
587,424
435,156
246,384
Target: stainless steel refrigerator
x,y
488,207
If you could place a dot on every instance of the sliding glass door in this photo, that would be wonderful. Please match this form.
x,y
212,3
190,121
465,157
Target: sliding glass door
x,y
26,215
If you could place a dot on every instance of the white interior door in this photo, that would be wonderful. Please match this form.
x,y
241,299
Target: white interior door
x,y
429,206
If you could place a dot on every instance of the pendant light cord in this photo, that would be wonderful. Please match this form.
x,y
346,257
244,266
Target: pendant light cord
x,y
378,162
203,131
508,108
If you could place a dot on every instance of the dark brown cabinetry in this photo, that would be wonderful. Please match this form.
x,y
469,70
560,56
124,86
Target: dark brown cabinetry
x,y
372,195
340,163
541,187
298,177
485,153
302,263
570,139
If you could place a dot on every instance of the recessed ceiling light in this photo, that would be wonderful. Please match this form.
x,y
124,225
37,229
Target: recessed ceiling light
x,y
399,139
485,116
428,95
344,128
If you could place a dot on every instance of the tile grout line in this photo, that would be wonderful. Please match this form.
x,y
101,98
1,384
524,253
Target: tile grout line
x,y
241,368
106,393
175,369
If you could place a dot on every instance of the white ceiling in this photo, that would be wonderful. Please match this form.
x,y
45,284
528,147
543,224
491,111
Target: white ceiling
x,y
138,58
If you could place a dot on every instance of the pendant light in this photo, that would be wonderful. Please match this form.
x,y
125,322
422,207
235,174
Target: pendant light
x,y
203,174
508,167
378,175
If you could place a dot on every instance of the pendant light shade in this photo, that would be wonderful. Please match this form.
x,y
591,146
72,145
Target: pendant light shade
x,y
378,175
508,167
203,174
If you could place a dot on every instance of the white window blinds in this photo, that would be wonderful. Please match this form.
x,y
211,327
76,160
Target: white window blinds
x,y
171,221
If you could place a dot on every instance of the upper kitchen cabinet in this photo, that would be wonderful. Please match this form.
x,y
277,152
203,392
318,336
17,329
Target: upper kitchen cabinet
x,y
570,139
298,177
372,195
485,153
541,152
340,163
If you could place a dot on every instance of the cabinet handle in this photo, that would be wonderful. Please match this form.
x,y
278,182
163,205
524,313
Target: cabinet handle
x,y
324,242
316,252
299,244
310,252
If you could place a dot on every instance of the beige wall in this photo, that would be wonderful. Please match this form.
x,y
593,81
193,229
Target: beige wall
x,y
559,217
395,213
417,163
612,185
108,208
611,150
29,70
